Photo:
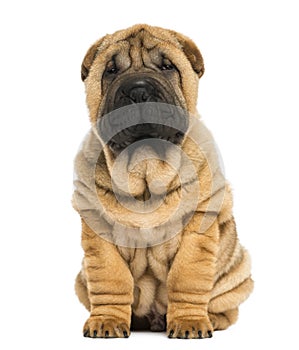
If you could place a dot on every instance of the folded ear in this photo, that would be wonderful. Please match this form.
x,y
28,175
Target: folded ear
x,y
192,53
89,58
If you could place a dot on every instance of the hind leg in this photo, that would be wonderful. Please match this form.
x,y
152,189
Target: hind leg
x,y
223,320
223,309
81,290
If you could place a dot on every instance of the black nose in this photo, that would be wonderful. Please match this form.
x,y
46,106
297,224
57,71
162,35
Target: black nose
x,y
136,88
139,91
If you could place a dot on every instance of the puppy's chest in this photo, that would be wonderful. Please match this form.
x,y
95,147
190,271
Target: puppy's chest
x,y
154,261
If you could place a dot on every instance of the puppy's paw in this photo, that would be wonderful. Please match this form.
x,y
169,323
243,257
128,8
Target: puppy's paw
x,y
197,328
105,327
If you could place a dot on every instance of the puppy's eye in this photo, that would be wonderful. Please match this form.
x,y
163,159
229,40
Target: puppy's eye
x,y
166,66
111,68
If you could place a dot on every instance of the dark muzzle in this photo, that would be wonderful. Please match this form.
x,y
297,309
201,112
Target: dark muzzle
x,y
138,108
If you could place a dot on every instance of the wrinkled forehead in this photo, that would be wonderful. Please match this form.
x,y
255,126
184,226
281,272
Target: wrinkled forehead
x,y
142,36
142,47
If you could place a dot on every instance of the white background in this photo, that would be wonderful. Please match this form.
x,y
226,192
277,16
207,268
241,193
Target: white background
x,y
248,97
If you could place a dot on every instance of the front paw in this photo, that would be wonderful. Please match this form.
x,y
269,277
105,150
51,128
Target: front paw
x,y
196,328
106,327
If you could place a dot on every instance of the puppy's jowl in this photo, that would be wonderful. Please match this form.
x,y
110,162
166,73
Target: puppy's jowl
x,y
160,245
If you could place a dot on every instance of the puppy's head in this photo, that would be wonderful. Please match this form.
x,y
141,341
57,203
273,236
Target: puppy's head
x,y
138,67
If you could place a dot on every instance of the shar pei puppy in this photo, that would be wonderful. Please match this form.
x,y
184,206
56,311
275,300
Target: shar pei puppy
x,y
161,250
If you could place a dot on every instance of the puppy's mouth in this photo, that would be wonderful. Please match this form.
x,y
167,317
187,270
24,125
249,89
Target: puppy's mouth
x,y
141,107
144,131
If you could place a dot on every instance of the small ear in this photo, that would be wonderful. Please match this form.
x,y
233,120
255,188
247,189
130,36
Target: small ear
x,y
192,53
89,58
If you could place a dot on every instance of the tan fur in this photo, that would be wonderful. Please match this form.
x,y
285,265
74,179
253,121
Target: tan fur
x,y
197,277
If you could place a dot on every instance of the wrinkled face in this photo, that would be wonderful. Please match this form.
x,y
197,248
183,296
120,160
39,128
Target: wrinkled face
x,y
139,67
125,85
